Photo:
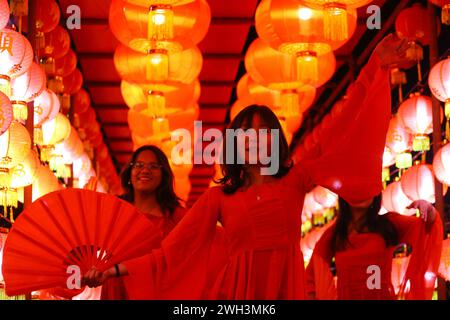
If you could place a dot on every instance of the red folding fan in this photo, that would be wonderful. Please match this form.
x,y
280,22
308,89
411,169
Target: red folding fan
x,y
72,227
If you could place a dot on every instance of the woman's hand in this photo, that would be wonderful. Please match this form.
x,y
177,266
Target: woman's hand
x,y
427,212
91,184
392,51
94,278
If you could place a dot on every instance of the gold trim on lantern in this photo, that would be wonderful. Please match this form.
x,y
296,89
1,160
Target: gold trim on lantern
x,y
5,84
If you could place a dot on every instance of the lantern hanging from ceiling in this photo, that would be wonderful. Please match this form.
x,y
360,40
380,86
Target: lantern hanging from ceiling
x,y
57,43
400,142
54,131
46,107
445,5
4,13
292,28
44,183
441,164
444,266
159,26
335,18
395,200
184,66
26,88
47,19
278,70
416,115
24,173
63,66
16,56
81,101
6,113
439,83
418,183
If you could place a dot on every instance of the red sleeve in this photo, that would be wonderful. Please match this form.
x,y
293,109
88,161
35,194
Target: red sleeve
x,y
319,280
347,153
178,270
420,276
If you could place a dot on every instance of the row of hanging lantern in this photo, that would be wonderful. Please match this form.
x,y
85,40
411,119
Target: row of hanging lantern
x,y
159,63
24,81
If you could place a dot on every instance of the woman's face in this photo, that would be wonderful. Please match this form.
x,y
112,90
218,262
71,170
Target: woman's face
x,y
254,145
146,172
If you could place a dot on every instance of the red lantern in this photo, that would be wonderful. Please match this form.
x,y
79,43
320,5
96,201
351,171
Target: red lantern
x,y
325,197
73,82
57,43
418,183
66,64
81,101
4,13
399,141
156,26
411,25
6,113
441,164
395,200
182,67
47,15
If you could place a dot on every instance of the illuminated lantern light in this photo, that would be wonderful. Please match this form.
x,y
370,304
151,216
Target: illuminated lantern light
x,y
418,183
325,197
16,56
284,25
4,13
65,65
395,200
388,160
444,266
439,83
81,101
445,5
441,164
277,70
24,173
6,113
157,25
44,183
137,67
400,142
46,107
26,88
73,82
72,148
336,25
54,131
416,115
47,19
57,43
410,24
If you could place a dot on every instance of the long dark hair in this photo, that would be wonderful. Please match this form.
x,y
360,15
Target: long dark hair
x,y
165,193
373,221
234,174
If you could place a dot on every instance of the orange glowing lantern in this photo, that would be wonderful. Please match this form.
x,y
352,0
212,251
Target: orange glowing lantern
x,y
44,183
158,25
184,66
26,88
418,183
24,173
439,83
279,71
73,82
47,19
66,64
336,26
81,101
416,115
4,13
6,113
16,56
395,200
292,28
441,164
445,5
54,131
400,142
444,266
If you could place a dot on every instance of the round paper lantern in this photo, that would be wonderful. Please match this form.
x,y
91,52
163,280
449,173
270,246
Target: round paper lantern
x,y
44,183
418,183
81,101
277,70
411,25
47,15
310,205
395,200
82,165
444,266
439,83
325,197
46,107
87,117
24,173
15,144
4,13
6,113
416,115
298,30
388,157
16,56
56,130
336,25
441,164
57,43
400,142
72,148
66,64
133,66
73,82
171,28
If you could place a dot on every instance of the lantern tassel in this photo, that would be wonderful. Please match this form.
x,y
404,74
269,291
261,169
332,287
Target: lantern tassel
x,y
290,103
157,65
156,104
335,22
307,67
160,23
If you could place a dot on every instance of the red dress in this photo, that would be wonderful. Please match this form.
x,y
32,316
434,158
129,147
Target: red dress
x,y
261,225
366,250
115,288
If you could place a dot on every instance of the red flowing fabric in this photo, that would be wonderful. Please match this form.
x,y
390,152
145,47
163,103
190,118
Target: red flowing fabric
x,y
115,288
261,224
369,249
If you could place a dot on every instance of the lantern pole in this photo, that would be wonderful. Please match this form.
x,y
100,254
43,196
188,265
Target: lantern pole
x,y
437,132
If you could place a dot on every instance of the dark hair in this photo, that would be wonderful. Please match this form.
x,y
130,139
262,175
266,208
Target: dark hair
x,y
234,174
165,194
373,221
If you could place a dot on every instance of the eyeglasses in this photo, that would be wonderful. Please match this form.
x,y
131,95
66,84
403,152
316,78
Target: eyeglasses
x,y
150,166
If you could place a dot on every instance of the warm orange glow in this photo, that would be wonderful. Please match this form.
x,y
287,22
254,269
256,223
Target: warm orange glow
x,y
441,164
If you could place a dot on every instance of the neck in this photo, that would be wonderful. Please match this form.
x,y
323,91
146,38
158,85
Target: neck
x,y
254,176
146,202
358,214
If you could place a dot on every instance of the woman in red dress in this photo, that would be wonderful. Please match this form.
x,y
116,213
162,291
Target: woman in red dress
x,y
362,243
260,214
148,184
